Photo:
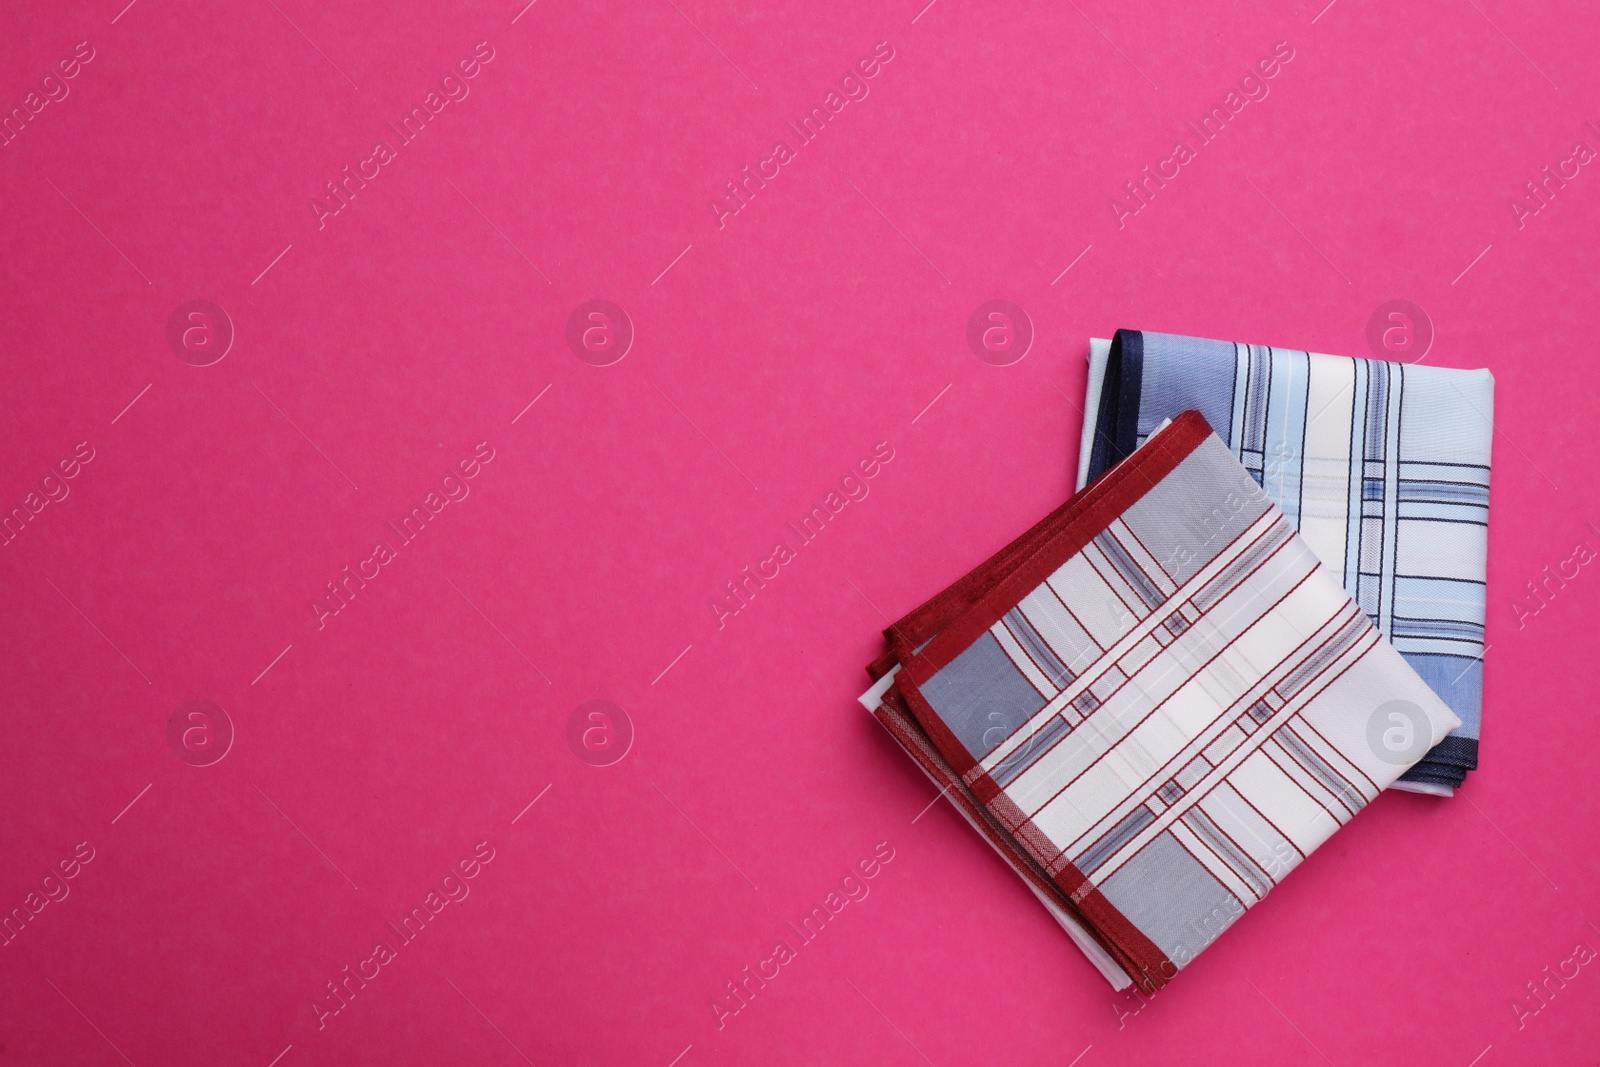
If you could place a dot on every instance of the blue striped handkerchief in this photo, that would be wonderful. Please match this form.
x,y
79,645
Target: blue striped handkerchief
x,y
1382,467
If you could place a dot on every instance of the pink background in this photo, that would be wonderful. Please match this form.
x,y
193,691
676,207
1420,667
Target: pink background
x,y
824,317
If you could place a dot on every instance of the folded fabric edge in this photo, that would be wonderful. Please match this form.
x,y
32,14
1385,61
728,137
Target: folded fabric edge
x,y
1424,788
874,696
1444,766
1116,409
1428,768
1452,777
892,716
1099,351
1455,752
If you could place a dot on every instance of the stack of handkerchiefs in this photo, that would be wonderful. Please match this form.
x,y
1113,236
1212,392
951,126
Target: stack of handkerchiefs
x,y
1264,607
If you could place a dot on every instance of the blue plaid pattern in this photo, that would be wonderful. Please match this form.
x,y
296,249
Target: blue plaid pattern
x,y
1383,466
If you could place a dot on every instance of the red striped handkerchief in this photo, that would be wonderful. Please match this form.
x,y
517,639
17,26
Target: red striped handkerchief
x,y
1154,704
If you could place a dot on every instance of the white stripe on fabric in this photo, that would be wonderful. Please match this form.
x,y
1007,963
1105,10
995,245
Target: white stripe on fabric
x,y
1442,549
1021,660
1195,697
1224,771
1265,845
1196,719
1294,812
1129,638
1325,494
1214,864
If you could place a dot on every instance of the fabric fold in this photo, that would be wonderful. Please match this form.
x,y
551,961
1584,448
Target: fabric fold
x,y
1382,467
1154,703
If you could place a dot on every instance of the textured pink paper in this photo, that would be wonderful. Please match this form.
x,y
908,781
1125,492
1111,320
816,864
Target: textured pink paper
x,y
769,351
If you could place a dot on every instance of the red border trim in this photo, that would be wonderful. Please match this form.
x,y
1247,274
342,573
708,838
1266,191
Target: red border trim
x,y
924,622
1031,559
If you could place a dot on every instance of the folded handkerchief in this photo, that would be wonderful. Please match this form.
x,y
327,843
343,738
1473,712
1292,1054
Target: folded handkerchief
x,y
1155,703
1382,467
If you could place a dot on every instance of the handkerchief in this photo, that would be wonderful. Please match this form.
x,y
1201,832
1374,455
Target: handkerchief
x,y
1155,703
1382,467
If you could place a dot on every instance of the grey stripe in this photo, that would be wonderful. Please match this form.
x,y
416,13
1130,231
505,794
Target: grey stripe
x,y
1058,672
1027,753
1224,583
1331,650
1443,629
1242,864
1377,408
1255,399
1114,839
1331,780
1183,530
1130,571
1418,491
982,696
1450,473
1172,899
